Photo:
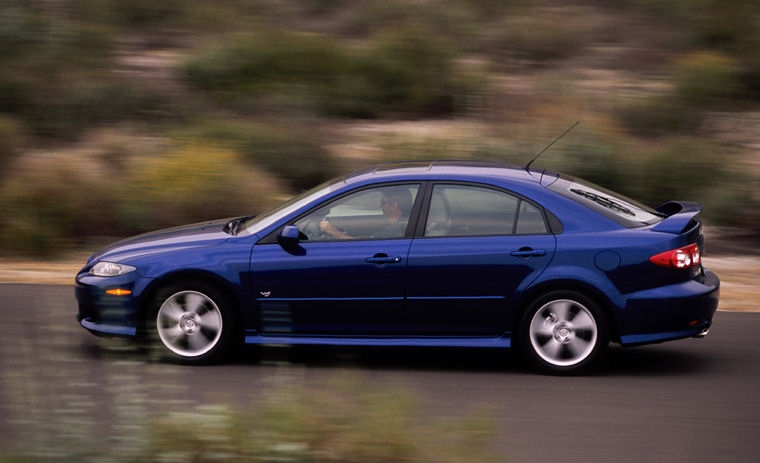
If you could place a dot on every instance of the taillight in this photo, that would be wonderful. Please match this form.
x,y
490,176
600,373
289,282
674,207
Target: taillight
x,y
685,257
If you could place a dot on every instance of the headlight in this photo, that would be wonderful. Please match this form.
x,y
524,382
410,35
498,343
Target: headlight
x,y
110,269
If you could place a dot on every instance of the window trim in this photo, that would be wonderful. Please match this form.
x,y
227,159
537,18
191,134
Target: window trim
x,y
425,210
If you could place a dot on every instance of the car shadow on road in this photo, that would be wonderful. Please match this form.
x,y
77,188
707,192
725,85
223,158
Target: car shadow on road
x,y
395,358
656,360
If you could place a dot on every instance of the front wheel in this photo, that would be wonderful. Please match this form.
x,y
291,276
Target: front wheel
x,y
564,332
192,323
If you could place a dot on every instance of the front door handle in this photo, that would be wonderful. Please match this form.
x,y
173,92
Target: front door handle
x,y
528,252
383,258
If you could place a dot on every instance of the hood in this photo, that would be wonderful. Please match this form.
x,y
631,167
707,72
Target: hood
x,y
185,236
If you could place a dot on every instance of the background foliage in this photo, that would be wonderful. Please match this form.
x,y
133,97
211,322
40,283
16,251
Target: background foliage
x,y
118,117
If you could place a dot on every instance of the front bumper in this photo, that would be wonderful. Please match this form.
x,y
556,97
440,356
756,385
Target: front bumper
x,y
106,314
670,312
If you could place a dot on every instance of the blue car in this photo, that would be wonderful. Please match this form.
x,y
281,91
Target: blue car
x,y
433,253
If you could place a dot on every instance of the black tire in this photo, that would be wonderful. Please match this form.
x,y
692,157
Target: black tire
x,y
564,333
191,322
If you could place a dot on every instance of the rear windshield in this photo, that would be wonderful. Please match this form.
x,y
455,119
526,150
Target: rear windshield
x,y
623,210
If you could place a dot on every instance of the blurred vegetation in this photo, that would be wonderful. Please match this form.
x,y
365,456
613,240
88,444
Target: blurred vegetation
x,y
702,81
273,96
536,39
293,152
404,71
338,420
55,203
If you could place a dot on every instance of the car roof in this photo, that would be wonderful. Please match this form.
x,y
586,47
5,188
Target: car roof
x,y
448,168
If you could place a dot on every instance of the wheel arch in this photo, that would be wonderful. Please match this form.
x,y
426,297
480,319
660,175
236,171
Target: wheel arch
x,y
208,278
598,297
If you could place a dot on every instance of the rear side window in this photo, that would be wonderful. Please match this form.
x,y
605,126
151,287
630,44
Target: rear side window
x,y
625,211
530,220
465,210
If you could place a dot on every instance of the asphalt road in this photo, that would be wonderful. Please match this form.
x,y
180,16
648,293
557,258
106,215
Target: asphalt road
x,y
685,401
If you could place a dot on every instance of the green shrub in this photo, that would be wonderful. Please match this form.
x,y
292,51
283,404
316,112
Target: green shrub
x,y
45,214
701,81
12,138
64,110
705,80
679,169
660,115
53,204
192,183
537,38
733,200
452,19
57,74
134,13
406,71
254,64
38,42
293,152
722,24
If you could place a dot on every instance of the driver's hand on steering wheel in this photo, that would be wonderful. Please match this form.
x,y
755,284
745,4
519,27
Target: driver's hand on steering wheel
x,y
330,229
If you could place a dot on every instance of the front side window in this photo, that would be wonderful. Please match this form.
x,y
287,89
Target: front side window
x,y
373,213
262,221
465,210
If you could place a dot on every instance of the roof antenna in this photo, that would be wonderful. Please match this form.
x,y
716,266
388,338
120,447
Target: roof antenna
x,y
527,166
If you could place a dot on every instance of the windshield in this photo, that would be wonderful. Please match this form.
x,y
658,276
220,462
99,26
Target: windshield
x,y
623,210
271,216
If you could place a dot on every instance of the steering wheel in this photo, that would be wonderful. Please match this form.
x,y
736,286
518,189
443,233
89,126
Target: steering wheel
x,y
313,232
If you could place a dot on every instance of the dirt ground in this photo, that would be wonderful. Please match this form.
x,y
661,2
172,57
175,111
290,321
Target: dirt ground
x,y
739,290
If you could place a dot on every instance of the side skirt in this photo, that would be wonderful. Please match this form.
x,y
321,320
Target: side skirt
x,y
503,341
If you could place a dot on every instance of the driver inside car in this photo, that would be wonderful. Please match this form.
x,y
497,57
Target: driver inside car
x,y
395,203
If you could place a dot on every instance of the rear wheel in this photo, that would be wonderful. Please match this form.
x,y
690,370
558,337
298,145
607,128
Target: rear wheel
x,y
192,323
564,332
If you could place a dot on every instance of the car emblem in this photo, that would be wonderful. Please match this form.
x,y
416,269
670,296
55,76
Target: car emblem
x,y
266,293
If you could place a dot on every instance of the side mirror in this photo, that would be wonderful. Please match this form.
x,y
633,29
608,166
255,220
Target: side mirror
x,y
289,235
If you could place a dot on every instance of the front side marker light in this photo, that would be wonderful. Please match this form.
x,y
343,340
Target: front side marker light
x,y
110,269
118,292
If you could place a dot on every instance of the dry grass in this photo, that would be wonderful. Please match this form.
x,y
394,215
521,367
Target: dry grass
x,y
50,273
739,291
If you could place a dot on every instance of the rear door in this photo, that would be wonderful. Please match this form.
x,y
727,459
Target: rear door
x,y
478,245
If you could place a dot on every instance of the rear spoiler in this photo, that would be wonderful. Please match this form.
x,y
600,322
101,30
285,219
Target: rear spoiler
x,y
678,215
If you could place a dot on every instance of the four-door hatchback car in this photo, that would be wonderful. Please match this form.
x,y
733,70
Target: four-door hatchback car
x,y
433,253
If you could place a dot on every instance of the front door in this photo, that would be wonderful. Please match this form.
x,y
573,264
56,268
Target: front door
x,y
346,276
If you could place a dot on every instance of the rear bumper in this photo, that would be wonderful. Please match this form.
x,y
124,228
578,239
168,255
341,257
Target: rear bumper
x,y
670,312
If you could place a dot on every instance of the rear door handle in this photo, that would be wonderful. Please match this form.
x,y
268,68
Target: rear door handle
x,y
383,258
528,252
